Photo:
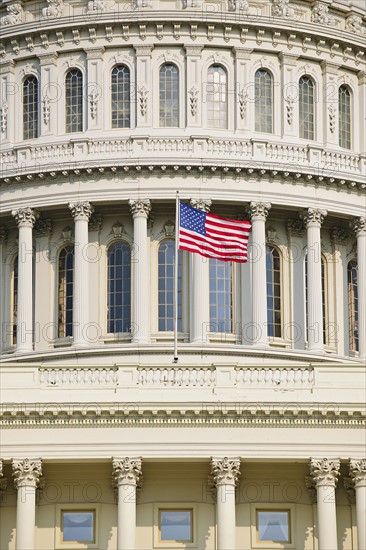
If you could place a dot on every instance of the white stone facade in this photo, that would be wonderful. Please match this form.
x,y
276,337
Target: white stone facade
x,y
264,411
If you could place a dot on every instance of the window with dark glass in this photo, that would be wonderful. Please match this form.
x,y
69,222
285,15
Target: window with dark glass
x,y
324,298
119,287
216,97
352,275
15,301
221,297
30,108
65,291
166,266
273,273
121,106
169,96
74,101
263,101
306,108
344,105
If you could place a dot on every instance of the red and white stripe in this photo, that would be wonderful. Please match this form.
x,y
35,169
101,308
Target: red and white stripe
x,y
225,239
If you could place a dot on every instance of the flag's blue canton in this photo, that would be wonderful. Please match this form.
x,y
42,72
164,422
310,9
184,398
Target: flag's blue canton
x,y
192,219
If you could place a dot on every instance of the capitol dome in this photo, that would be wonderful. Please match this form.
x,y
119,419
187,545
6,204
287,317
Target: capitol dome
x,y
251,110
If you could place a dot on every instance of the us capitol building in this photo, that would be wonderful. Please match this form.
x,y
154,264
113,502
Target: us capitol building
x,y
255,438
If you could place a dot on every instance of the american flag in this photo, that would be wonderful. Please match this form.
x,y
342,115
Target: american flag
x,y
212,236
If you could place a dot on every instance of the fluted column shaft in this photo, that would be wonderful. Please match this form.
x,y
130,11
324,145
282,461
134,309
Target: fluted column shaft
x,y
360,230
225,474
258,212
25,219
81,212
127,477
140,210
26,478
357,470
314,219
200,289
325,475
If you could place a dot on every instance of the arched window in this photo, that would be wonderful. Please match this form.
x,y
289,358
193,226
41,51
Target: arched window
x,y
14,317
324,297
120,88
74,101
352,305
65,291
119,288
169,96
30,108
221,296
306,108
273,274
166,266
263,101
216,97
344,106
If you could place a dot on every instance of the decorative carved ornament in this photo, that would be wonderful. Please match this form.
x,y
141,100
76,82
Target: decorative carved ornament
x,y
93,97
332,111
289,101
96,6
81,210
25,217
143,95
46,109
201,204
357,472
313,216
339,235
127,471
243,102
3,234
54,9
95,222
281,8
320,14
27,472
43,227
354,24
359,226
15,15
225,471
140,207
350,490
169,228
117,230
4,117
3,482
259,210
324,472
193,100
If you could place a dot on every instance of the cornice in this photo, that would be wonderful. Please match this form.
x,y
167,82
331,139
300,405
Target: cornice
x,y
202,415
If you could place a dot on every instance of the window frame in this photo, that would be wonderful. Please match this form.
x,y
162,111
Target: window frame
x,y
313,106
272,507
230,336
181,95
353,311
125,335
37,103
131,87
65,338
14,288
325,305
274,338
226,74
345,87
180,254
76,507
83,105
257,102
168,506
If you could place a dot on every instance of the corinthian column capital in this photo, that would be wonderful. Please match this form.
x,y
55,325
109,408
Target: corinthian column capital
x,y
359,226
27,472
225,471
357,472
259,210
25,217
201,204
81,210
127,471
313,216
140,207
324,472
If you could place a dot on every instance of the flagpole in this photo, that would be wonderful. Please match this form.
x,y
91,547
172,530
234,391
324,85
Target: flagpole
x,y
177,224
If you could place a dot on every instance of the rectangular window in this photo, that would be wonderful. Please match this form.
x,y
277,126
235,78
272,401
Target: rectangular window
x,y
273,526
78,526
176,525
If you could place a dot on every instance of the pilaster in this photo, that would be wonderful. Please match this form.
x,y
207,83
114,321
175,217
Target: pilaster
x,y
49,94
8,94
290,109
145,84
359,227
330,73
196,94
95,95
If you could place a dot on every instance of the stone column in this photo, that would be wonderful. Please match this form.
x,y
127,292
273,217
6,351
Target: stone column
x,y
313,219
357,470
258,212
359,226
127,478
3,235
225,475
200,289
361,116
324,474
81,212
140,209
42,284
338,333
49,94
25,219
26,479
